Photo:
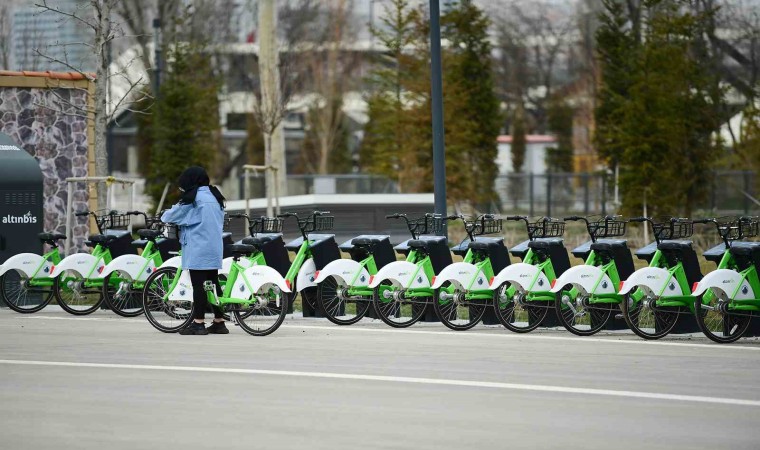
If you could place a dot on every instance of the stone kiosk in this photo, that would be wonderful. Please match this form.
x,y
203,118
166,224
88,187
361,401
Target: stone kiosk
x,y
48,115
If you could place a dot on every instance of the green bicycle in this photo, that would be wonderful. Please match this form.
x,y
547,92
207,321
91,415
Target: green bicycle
x,y
462,290
26,285
726,300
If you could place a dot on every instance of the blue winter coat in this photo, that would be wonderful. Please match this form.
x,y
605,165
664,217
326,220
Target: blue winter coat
x,y
200,230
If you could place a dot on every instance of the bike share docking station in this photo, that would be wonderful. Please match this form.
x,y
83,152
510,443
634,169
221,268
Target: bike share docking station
x,y
21,201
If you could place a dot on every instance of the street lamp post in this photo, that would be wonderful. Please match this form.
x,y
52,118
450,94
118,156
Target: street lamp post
x,y
439,154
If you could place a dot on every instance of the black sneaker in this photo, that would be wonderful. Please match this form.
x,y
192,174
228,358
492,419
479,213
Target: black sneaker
x,y
194,328
218,328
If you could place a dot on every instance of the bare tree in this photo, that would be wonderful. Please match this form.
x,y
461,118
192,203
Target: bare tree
x,y
532,40
329,62
5,35
95,16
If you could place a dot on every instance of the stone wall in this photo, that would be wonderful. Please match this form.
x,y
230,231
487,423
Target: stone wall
x,y
51,125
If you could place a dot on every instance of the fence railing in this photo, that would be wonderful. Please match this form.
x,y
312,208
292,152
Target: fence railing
x,y
556,194
324,184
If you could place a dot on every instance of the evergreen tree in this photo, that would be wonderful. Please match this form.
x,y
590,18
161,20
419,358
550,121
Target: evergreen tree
x,y
560,158
398,137
184,126
659,106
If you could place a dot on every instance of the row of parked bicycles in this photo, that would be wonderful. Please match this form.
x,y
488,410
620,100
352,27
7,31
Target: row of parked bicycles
x,y
260,281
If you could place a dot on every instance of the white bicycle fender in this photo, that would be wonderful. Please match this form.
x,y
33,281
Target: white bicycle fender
x,y
227,265
588,279
346,270
727,284
522,277
306,275
654,281
403,273
27,263
132,266
80,263
183,291
255,279
461,274
175,261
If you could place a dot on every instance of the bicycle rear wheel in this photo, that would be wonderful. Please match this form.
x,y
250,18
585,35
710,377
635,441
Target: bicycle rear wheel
x,y
395,309
265,315
19,296
120,297
515,312
164,314
457,312
719,321
581,317
336,307
647,319
73,297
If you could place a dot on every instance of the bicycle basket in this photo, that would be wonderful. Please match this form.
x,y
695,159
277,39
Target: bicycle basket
x,y
606,228
748,228
435,225
113,221
488,226
419,226
545,228
171,230
673,230
323,223
266,225
226,222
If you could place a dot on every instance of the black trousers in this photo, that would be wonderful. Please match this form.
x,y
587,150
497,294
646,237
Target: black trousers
x,y
200,301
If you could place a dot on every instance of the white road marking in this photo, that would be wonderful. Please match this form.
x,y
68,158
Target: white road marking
x,y
391,379
611,338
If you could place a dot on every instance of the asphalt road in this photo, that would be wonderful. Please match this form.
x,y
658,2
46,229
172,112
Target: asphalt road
x,y
107,383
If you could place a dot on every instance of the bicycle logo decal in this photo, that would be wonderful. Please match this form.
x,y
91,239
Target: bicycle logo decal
x,y
672,286
242,288
540,282
362,278
745,289
605,284
419,279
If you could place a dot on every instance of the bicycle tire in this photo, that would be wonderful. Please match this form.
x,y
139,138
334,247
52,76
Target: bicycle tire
x,y
131,305
598,318
68,297
12,290
663,320
508,317
156,308
332,305
449,313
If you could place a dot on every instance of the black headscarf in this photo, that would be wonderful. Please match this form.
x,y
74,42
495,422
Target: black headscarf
x,y
193,178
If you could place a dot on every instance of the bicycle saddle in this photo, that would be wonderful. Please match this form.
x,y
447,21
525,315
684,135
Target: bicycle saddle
x,y
364,242
258,240
148,234
51,236
240,249
102,239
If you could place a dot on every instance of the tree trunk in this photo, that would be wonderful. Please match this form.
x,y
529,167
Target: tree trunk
x,y
102,31
268,175
271,98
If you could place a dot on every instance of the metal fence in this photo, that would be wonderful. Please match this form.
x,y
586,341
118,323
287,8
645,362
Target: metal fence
x,y
557,194
325,184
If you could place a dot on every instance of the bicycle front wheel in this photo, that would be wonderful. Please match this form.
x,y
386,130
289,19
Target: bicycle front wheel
x,y
265,314
20,296
73,296
163,313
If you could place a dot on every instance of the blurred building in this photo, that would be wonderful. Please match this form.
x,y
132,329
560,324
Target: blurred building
x,y
46,40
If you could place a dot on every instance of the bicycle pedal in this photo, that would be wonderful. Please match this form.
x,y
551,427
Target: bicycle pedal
x,y
619,316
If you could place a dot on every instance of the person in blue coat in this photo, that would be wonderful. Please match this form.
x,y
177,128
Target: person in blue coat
x,y
200,216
